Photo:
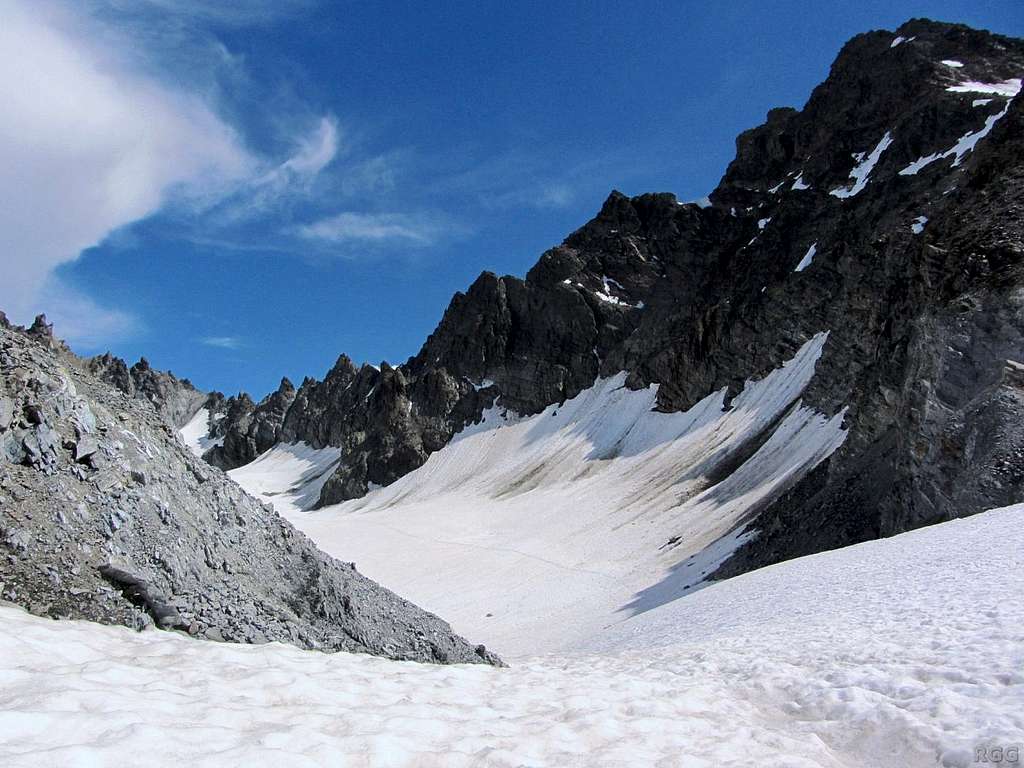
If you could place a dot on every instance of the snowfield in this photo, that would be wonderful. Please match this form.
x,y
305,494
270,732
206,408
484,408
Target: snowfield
x,y
903,652
530,534
194,434
290,476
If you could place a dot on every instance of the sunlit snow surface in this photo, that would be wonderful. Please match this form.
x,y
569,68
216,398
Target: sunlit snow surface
x,y
290,475
1009,87
898,653
861,173
528,534
195,433
808,257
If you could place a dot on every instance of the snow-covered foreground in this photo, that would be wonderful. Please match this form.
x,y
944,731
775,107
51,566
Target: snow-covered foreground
x,y
904,652
529,534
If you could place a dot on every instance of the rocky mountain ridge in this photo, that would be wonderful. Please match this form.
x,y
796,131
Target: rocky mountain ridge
x,y
887,212
173,398
105,515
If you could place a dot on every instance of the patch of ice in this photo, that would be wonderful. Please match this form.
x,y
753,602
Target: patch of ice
x,y
776,188
980,102
896,41
1009,87
952,63
762,223
862,171
805,262
918,226
798,183
966,144
607,296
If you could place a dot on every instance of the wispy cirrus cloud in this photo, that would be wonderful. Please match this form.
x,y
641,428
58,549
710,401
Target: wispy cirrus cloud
x,y
315,152
237,13
221,342
378,228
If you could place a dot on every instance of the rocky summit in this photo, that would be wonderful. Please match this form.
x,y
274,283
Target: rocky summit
x,y
105,515
886,212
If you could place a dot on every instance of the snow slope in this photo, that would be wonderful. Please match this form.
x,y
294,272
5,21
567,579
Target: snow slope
x,y
898,653
195,433
289,476
528,534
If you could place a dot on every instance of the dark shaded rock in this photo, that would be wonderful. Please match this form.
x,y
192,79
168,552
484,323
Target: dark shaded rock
x,y
40,328
248,429
142,592
696,299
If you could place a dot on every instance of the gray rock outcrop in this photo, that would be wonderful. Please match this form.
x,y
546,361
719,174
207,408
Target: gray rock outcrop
x,y
177,400
105,515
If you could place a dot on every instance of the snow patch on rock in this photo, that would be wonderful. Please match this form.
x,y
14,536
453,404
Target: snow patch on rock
x,y
1009,87
862,171
808,257
965,144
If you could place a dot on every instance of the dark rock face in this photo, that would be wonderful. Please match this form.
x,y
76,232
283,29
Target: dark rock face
x,y
105,515
173,398
862,214
887,211
248,429
700,298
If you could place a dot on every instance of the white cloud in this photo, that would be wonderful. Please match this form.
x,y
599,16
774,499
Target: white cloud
x,y
317,150
237,13
223,342
80,321
88,145
378,228
274,189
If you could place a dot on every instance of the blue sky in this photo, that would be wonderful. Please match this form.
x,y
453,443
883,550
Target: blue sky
x,y
243,192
